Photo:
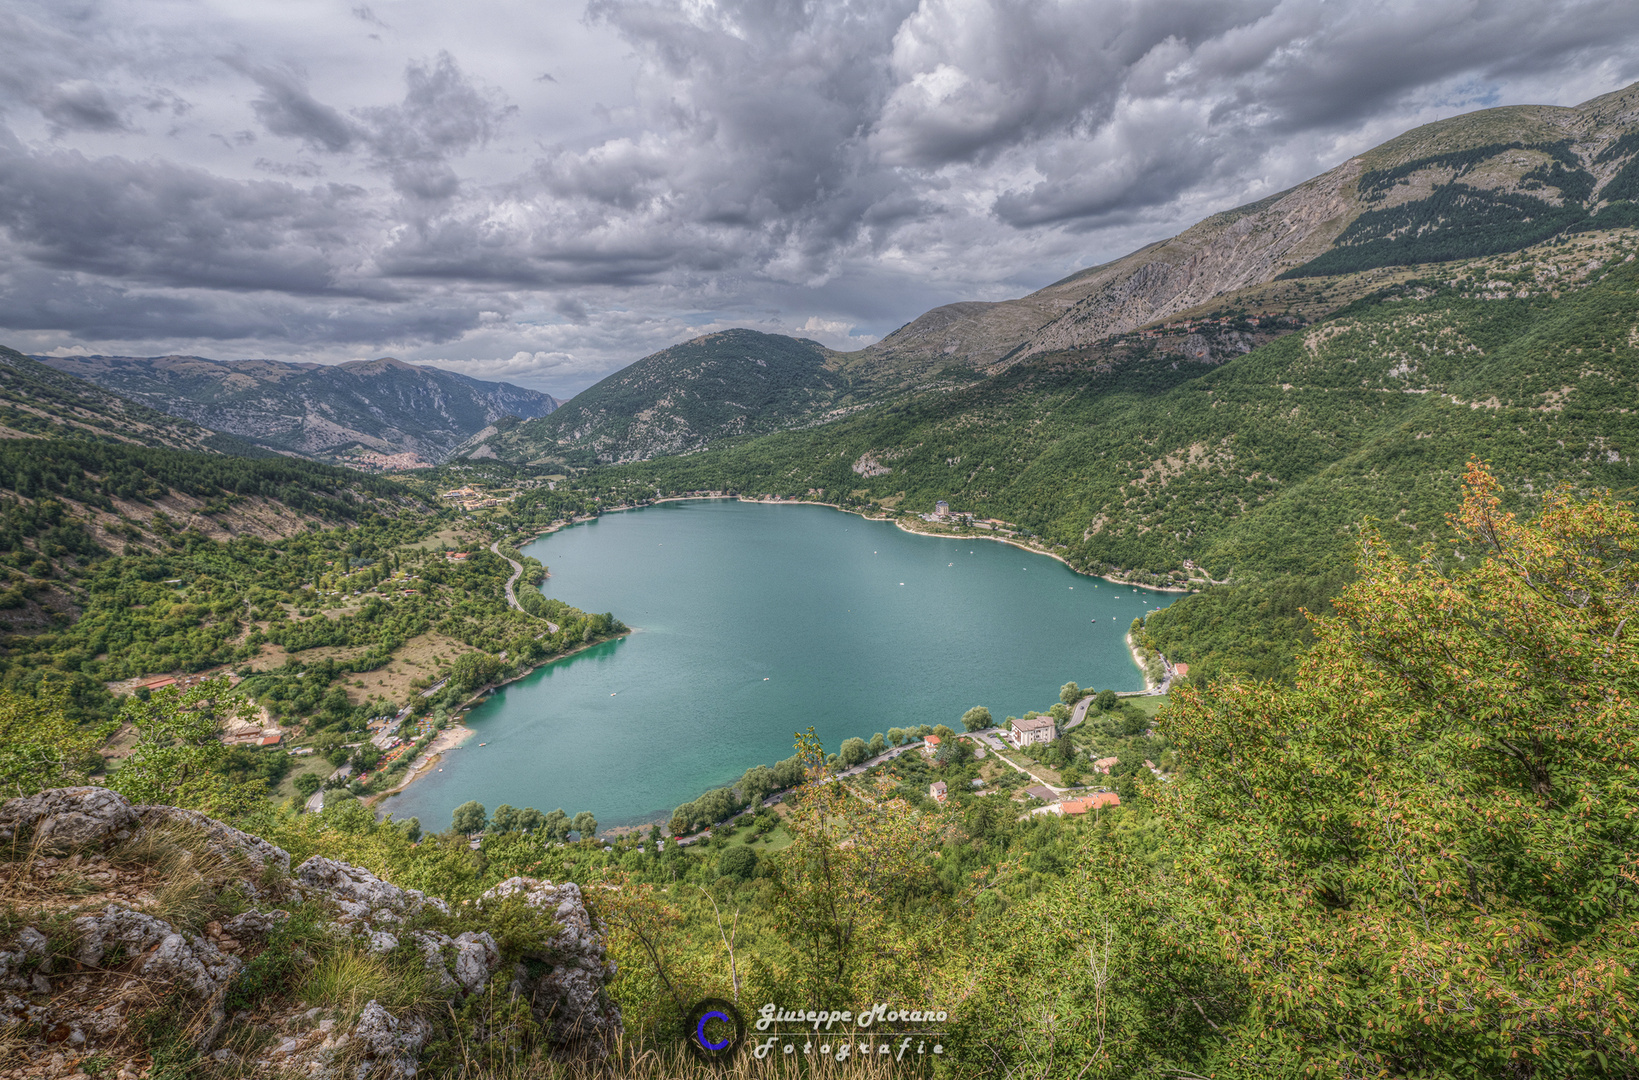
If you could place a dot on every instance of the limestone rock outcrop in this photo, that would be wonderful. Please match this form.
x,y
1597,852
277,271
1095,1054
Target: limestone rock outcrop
x,y
564,985
134,943
69,819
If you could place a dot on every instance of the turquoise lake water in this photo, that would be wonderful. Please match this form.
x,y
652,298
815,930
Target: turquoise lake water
x,y
754,621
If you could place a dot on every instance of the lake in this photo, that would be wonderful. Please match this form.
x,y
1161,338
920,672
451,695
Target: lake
x,y
754,621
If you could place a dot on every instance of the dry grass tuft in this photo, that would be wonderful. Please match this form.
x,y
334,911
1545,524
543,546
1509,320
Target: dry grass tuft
x,y
632,1060
183,875
349,978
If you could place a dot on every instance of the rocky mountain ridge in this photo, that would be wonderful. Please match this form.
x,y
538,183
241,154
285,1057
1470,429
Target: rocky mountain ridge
x,y
339,413
1482,184
1586,157
39,402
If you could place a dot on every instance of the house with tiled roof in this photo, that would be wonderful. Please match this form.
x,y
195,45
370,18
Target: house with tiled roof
x,y
1095,801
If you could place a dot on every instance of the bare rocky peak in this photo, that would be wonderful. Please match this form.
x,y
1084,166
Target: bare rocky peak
x,y
329,412
1254,244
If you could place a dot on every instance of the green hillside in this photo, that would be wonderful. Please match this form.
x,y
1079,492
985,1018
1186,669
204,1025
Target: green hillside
x,y
1470,210
1259,468
738,382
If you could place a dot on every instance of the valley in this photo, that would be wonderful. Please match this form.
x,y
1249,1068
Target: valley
x,y
1350,469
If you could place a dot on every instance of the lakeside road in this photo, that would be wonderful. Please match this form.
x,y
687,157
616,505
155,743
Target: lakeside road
x,y
517,572
511,596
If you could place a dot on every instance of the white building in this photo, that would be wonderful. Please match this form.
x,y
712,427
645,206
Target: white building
x,y
1036,729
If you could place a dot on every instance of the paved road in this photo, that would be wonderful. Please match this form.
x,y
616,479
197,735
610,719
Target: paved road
x,y
517,572
315,802
1079,713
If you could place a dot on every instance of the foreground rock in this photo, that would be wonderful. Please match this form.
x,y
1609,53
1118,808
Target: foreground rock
x,y
564,983
120,952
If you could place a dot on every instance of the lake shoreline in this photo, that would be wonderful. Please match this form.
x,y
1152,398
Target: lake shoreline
x,y
903,526
712,585
465,732
1138,658
450,738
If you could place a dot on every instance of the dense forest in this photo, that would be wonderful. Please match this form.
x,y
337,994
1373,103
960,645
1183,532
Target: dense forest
x,y
126,561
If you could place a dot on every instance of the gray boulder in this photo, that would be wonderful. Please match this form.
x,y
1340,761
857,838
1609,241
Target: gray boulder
x,y
173,957
476,959
391,1045
31,945
169,957
360,893
564,983
69,819
253,925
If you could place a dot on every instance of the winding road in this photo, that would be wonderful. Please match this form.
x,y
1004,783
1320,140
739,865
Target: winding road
x,y
517,572
1079,713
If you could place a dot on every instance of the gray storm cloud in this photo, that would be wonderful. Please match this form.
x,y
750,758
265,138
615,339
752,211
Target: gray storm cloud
x,y
243,183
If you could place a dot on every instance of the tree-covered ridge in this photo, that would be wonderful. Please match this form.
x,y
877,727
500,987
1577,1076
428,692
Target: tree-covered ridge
x,y
1150,462
1134,461
1483,200
125,561
736,382
67,503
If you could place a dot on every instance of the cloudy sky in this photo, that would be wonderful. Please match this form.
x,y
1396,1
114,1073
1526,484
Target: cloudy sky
x,y
544,191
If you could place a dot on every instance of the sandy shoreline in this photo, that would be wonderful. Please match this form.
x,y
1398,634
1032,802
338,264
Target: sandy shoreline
x,y
457,733
1138,658
448,739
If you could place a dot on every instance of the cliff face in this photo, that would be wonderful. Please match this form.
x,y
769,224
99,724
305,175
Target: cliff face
x,y
383,406
148,935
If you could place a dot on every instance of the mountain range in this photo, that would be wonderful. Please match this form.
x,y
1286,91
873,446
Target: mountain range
x,y
328,412
1481,184
1230,404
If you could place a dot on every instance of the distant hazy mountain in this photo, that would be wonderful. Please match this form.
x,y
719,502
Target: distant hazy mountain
x,y
39,402
739,382
316,410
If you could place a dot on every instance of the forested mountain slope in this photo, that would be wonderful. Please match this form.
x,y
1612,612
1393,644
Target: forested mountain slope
x,y
1485,183
69,504
40,402
316,410
738,382
1259,468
